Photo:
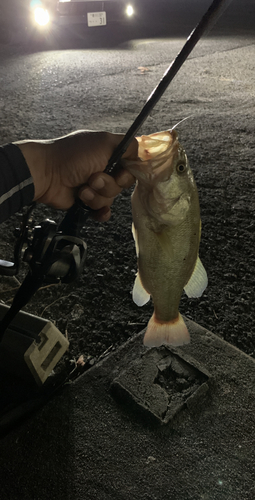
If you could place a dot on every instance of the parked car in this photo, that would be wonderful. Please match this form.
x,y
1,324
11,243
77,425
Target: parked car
x,y
31,20
91,13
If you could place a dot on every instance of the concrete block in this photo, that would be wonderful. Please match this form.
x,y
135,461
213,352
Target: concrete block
x,y
161,383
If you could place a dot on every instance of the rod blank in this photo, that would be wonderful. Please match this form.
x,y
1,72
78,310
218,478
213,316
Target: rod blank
x,y
207,22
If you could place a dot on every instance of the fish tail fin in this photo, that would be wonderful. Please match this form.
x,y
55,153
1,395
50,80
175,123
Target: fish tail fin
x,y
173,332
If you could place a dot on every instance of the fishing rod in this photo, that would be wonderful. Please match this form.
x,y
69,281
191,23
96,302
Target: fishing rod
x,y
58,253
207,22
79,212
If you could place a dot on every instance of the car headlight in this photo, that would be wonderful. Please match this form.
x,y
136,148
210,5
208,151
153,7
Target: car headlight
x,y
129,10
41,16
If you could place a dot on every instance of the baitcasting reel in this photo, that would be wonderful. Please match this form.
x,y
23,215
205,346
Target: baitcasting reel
x,y
54,254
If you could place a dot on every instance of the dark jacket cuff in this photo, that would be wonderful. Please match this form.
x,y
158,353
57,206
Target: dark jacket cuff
x,y
16,182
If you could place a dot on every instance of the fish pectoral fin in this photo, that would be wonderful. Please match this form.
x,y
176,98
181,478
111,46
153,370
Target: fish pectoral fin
x,y
180,209
197,282
173,332
139,294
135,236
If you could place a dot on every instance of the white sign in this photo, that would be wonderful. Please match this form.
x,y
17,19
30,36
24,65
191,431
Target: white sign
x,y
96,18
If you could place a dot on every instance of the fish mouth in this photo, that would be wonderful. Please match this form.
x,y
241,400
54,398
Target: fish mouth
x,y
157,156
155,145
162,156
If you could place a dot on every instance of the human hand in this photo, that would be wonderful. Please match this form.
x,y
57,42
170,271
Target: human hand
x,y
73,165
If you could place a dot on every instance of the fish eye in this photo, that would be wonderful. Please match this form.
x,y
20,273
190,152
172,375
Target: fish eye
x,y
181,168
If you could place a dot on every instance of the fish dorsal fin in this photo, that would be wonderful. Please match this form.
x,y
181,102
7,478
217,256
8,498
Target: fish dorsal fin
x,y
135,236
140,296
197,282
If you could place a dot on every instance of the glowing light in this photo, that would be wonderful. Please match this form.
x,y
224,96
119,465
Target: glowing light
x,y
35,3
220,482
41,16
129,11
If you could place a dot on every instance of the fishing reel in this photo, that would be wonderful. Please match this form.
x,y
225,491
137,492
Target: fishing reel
x,y
53,253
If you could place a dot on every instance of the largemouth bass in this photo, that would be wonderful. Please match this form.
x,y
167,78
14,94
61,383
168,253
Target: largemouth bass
x,y
166,229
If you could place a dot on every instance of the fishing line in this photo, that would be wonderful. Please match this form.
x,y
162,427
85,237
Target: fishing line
x,y
207,22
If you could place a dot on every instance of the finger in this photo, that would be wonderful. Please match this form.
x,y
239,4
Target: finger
x,y
104,184
124,179
102,215
109,186
132,151
93,199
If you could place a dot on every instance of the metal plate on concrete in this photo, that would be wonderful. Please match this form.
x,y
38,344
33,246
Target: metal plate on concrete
x,y
162,383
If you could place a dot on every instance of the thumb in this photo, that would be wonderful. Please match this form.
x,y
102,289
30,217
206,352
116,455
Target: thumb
x,y
132,151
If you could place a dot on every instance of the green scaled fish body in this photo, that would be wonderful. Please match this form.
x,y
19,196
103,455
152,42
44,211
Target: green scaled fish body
x,y
166,229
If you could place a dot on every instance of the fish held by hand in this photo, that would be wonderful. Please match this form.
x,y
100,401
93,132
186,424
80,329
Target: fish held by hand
x,y
166,228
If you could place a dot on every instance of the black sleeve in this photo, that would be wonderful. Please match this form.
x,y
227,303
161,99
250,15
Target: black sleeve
x,y
16,182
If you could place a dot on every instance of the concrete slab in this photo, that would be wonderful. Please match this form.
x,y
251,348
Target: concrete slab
x,y
91,442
